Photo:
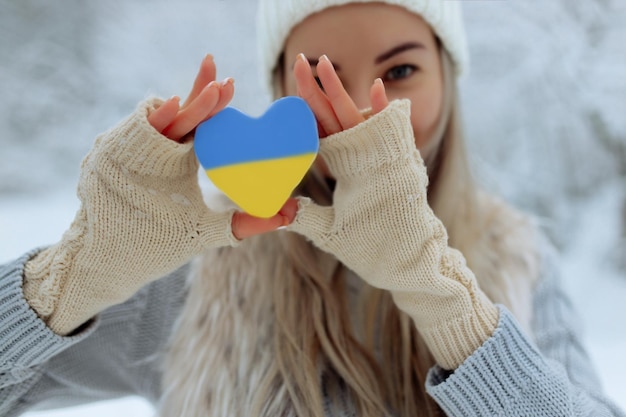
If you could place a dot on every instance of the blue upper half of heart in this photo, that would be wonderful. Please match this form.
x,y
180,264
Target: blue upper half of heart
x,y
288,128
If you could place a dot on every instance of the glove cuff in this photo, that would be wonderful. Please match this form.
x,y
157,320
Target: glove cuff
x,y
145,151
381,139
453,340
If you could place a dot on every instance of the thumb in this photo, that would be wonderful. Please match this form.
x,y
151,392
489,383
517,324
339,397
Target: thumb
x,y
244,225
228,228
313,221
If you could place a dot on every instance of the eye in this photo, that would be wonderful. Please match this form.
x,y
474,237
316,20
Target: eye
x,y
399,72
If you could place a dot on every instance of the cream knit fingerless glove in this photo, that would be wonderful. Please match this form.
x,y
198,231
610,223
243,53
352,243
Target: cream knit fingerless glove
x,y
141,216
381,226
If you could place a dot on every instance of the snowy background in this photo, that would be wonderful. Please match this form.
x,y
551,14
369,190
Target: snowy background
x,y
544,107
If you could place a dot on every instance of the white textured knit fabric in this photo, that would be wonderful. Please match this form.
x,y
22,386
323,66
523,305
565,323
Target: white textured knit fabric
x,y
381,226
142,215
122,353
276,19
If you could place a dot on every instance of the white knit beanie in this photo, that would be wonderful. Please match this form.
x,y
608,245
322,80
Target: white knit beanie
x,y
276,19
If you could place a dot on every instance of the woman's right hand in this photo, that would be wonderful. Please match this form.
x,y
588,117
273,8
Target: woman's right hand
x,y
142,213
207,98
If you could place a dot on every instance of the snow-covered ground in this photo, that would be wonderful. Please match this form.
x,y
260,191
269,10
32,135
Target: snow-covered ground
x,y
545,108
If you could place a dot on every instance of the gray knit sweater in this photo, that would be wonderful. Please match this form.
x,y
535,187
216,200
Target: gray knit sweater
x,y
121,353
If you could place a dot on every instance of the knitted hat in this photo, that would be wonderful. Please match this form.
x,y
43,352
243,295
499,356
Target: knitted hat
x,y
276,19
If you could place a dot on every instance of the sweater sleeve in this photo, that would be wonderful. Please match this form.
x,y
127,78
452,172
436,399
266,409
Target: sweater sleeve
x,y
115,354
514,376
27,343
142,215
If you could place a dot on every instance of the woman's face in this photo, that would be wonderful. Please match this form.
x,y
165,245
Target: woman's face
x,y
376,40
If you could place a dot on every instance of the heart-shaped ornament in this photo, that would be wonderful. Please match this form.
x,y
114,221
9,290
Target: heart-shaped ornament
x,y
258,162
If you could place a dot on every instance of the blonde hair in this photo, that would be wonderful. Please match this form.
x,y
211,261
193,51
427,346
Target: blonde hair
x,y
266,326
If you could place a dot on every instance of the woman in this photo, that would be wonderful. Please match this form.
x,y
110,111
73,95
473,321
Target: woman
x,y
361,306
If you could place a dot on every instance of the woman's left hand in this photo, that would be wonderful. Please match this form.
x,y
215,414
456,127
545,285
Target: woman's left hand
x,y
380,224
334,109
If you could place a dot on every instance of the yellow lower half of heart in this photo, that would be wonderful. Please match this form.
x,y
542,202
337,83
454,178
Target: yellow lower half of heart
x,y
261,188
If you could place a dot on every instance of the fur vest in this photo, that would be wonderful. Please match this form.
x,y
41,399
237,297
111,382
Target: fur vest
x,y
221,349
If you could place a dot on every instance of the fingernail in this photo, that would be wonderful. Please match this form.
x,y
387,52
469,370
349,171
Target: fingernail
x,y
379,81
208,56
228,80
324,58
212,84
302,58
174,98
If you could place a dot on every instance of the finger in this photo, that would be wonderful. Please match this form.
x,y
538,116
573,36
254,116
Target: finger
x,y
320,129
290,210
187,119
205,75
160,118
342,104
378,96
244,225
310,91
227,91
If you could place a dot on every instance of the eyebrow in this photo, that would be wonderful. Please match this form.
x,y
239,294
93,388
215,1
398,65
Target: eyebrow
x,y
397,50
380,58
